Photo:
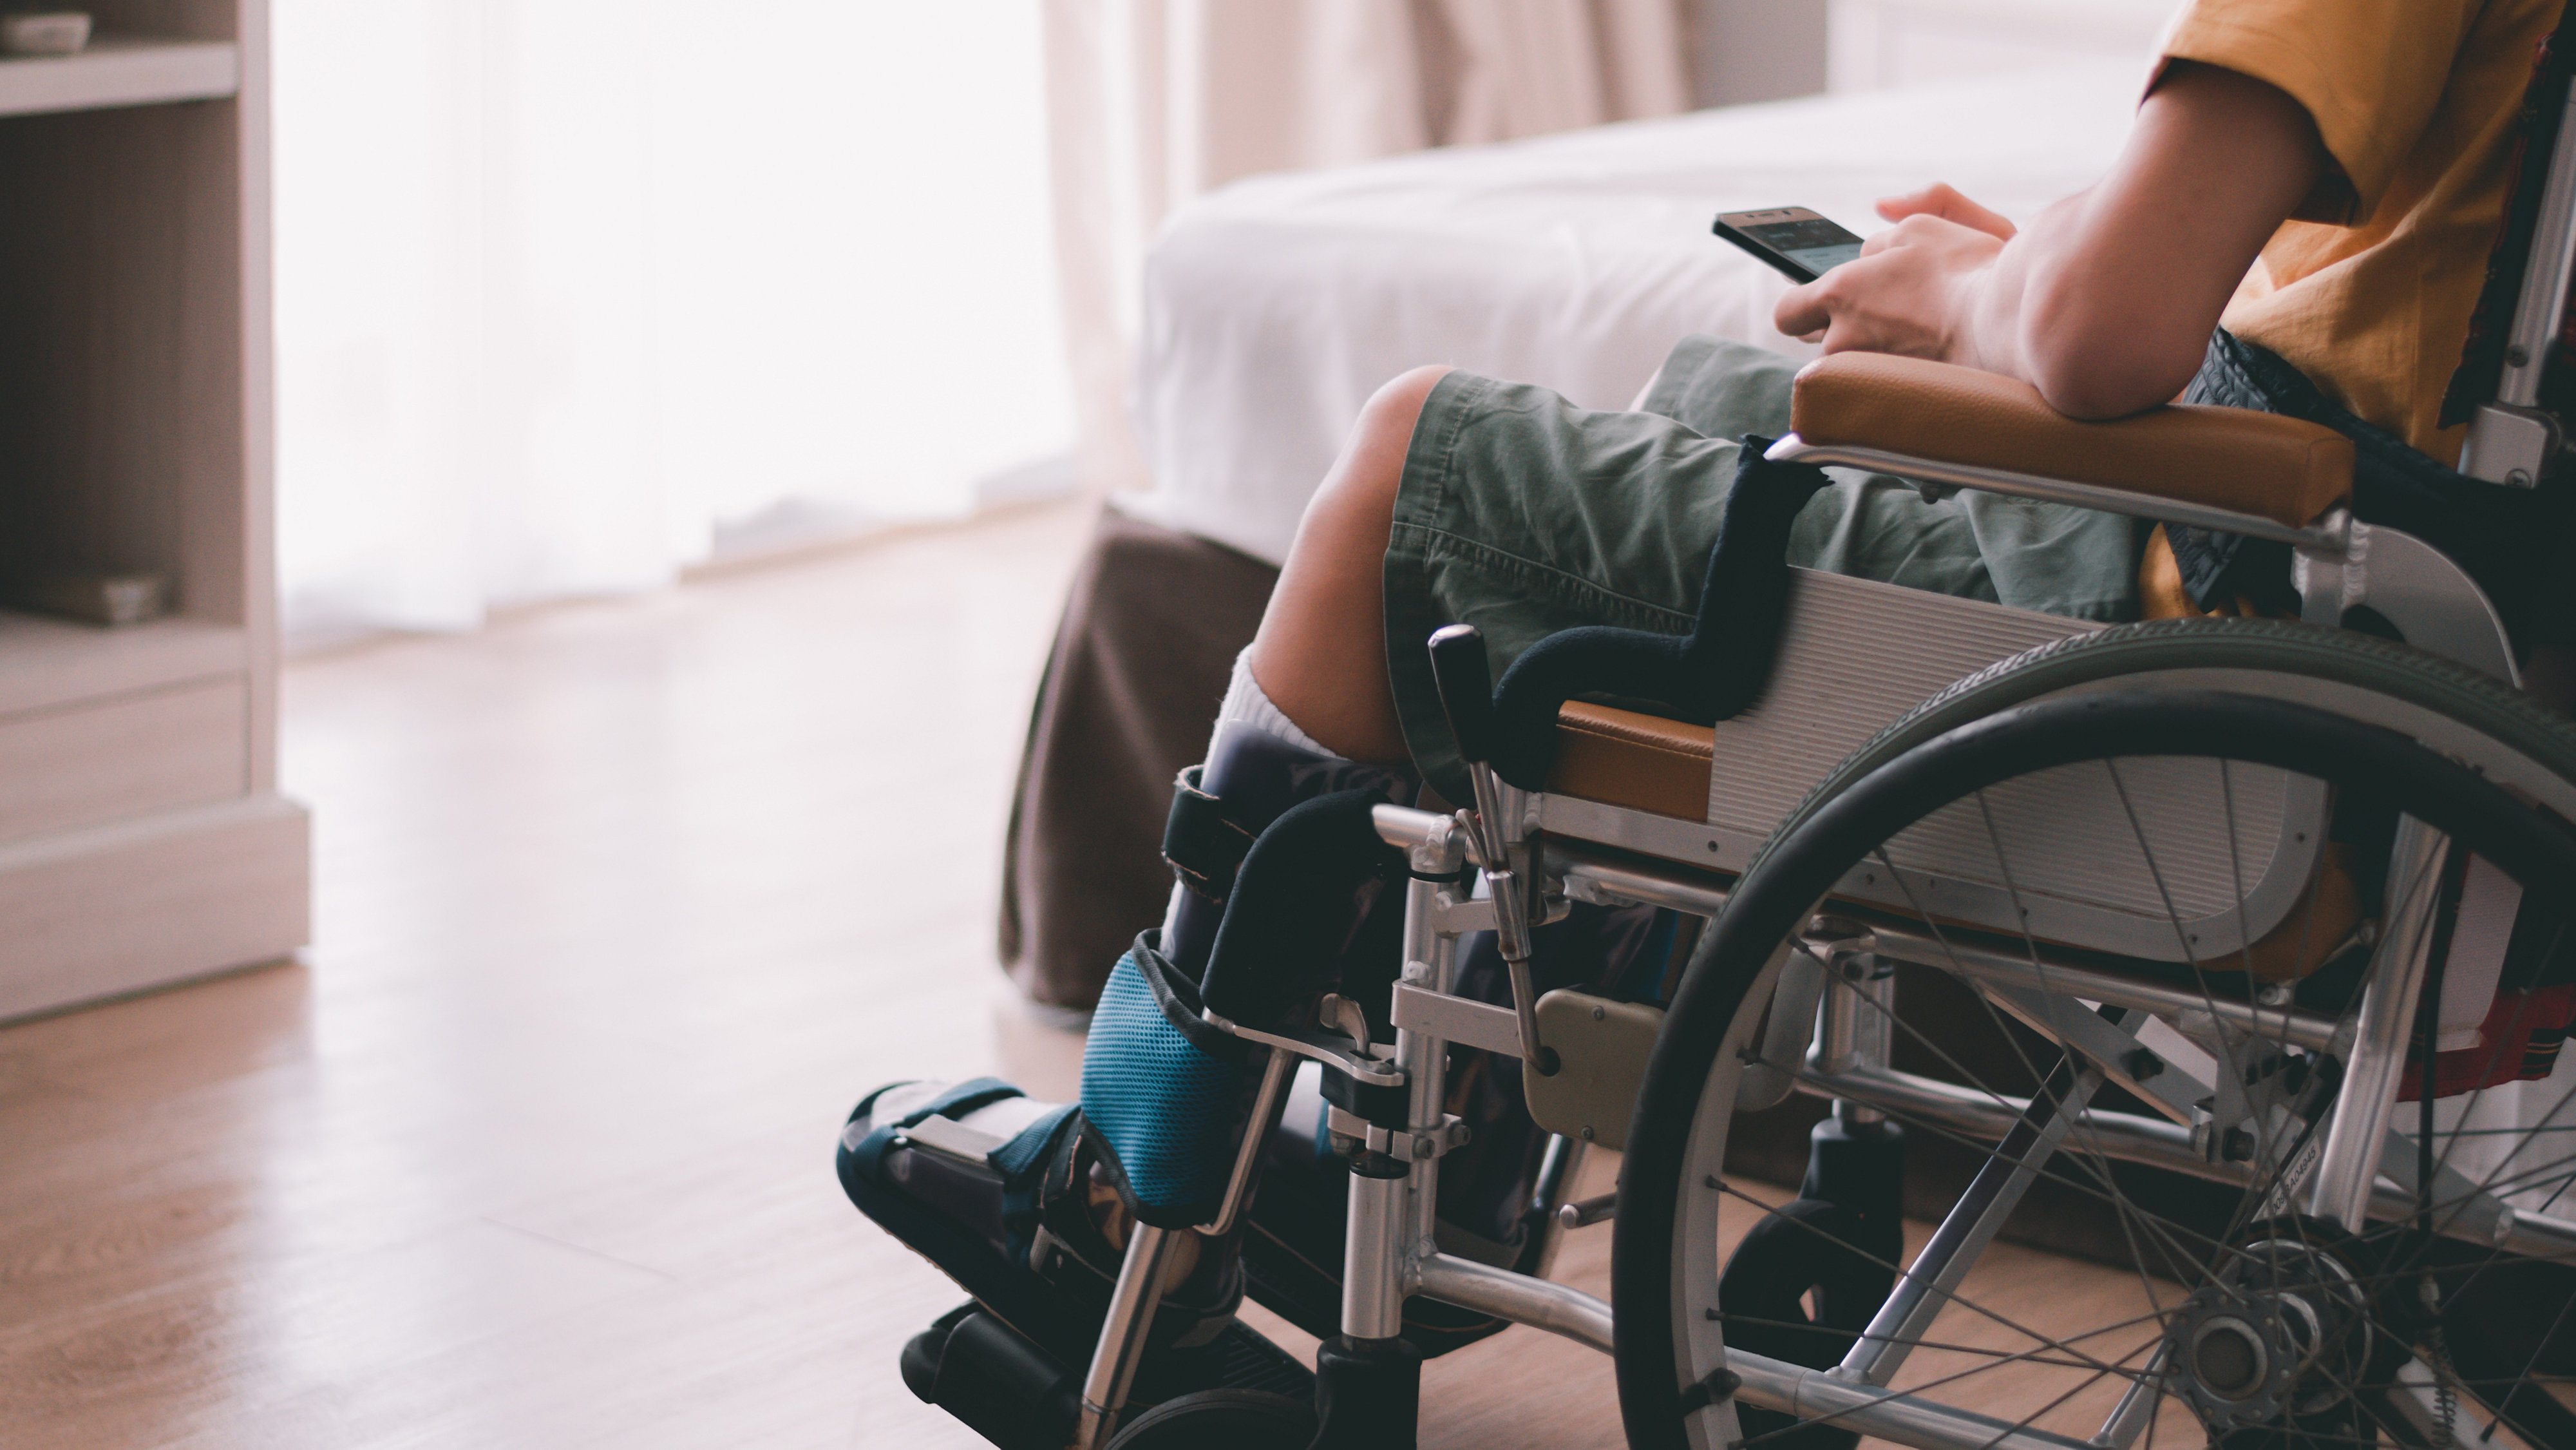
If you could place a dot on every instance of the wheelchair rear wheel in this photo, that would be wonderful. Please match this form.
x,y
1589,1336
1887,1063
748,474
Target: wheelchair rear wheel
x,y
2180,1105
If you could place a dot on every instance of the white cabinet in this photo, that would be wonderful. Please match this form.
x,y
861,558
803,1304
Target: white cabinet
x,y
142,839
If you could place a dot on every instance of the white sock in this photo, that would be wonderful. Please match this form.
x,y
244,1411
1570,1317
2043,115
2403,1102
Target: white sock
x,y
1244,704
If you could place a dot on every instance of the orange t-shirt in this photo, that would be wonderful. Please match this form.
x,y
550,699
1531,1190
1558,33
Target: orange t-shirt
x,y
2369,294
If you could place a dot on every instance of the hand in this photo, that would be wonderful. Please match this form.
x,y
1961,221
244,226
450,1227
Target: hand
x,y
1912,288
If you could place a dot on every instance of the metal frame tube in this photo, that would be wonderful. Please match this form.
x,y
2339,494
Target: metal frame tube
x,y
1122,1333
1593,875
1374,1257
2542,303
2129,1417
1516,1297
2154,1142
1557,1168
2349,1167
2294,1026
1872,1022
1854,1025
1767,1383
1431,963
1510,891
1820,1395
1589,875
1971,1224
1389,1216
1793,449
1256,1132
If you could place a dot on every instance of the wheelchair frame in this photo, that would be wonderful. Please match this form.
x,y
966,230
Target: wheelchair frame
x,y
1570,849
1581,851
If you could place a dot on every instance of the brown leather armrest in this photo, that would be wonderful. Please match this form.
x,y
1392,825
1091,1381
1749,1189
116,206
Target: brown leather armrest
x,y
1622,758
2284,469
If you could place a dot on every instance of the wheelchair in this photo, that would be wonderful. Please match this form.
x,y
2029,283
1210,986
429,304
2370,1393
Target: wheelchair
x,y
2227,957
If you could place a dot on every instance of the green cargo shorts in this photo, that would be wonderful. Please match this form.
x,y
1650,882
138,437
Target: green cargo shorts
x,y
1522,514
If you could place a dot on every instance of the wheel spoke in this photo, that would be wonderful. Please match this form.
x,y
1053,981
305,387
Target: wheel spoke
x,y
1996,1316
2216,1263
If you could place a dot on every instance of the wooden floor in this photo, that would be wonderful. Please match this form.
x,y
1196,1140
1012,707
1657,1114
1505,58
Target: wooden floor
x,y
620,906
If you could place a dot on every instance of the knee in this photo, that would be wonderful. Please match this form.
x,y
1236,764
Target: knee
x,y
1360,491
1401,396
1387,419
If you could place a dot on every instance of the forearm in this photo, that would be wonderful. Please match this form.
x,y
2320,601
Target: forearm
x,y
2100,333
2105,302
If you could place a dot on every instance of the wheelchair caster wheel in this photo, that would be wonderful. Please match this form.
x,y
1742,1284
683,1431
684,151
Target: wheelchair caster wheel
x,y
1804,1247
1221,1420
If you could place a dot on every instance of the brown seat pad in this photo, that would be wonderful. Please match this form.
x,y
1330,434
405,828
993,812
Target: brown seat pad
x,y
1622,758
2284,469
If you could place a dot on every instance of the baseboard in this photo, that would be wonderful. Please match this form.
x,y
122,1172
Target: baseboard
x,y
144,903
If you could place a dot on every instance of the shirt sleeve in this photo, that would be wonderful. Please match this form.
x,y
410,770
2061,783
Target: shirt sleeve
x,y
2369,72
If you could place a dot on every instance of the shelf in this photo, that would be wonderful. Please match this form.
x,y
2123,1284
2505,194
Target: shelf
x,y
120,70
48,662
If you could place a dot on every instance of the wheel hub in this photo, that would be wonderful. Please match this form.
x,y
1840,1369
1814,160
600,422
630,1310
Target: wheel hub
x,y
2279,1331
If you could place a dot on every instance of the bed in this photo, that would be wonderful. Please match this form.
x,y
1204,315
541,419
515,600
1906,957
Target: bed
x,y
1272,309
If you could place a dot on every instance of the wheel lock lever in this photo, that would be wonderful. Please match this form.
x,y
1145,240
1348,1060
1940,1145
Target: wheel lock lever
x,y
1458,667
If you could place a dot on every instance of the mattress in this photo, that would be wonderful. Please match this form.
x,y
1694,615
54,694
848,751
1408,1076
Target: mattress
x,y
1271,309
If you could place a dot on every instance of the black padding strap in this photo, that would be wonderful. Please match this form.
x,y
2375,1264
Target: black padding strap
x,y
1705,676
1295,904
1204,845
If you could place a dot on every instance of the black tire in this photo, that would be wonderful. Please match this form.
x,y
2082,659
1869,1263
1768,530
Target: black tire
x,y
1683,1111
2278,657
1221,1420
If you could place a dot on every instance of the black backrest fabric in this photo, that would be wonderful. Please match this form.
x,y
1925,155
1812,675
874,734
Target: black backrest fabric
x,y
2544,106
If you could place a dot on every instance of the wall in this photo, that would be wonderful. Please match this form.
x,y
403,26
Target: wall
x,y
1761,50
1875,43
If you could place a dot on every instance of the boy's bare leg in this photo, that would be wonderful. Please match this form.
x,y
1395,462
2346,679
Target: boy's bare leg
x,y
1321,652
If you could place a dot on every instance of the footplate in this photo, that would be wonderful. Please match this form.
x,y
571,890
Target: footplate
x,y
1015,1394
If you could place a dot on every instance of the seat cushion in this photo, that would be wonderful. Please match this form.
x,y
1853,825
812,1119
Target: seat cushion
x,y
1622,758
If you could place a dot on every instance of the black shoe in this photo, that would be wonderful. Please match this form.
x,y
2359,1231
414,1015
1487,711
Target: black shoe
x,y
1004,1195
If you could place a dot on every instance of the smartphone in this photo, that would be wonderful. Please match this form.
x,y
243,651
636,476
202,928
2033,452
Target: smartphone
x,y
1793,239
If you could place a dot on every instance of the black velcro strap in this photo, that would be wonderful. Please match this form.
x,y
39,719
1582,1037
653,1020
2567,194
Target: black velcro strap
x,y
1707,675
1204,845
1295,907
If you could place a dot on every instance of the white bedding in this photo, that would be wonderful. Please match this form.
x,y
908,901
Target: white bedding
x,y
1273,308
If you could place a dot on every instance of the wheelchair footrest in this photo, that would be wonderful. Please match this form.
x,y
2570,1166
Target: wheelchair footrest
x,y
1247,1360
1009,1390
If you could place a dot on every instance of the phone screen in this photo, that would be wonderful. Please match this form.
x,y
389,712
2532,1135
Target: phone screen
x,y
1814,243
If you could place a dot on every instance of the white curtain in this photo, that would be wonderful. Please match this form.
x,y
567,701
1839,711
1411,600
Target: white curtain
x,y
1152,102
567,288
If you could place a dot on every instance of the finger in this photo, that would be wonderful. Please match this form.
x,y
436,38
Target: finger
x,y
1802,310
1947,202
1912,203
1950,204
1848,334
